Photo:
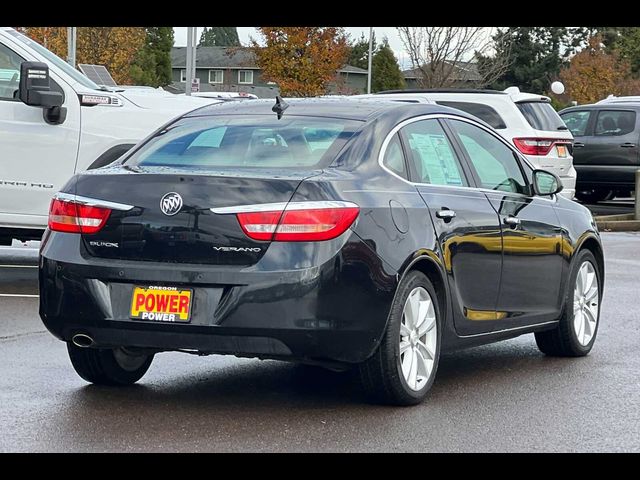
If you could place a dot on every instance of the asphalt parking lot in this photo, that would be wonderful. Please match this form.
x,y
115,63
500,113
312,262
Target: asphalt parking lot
x,y
502,397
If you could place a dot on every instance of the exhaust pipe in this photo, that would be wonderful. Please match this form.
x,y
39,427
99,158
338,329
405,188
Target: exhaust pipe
x,y
83,341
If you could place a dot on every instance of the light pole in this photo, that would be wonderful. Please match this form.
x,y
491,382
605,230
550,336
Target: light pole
x,y
370,55
191,58
71,46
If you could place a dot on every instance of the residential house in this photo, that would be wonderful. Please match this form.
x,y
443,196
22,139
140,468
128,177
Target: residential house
x,y
463,75
234,69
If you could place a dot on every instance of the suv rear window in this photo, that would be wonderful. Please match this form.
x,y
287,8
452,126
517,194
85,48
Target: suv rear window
x,y
247,141
483,112
541,116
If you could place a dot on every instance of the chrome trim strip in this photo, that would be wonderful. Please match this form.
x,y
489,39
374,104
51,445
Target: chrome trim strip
x,y
280,206
506,330
92,202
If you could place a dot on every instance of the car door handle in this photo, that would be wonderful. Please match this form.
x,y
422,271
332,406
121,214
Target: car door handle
x,y
511,221
578,144
445,214
628,145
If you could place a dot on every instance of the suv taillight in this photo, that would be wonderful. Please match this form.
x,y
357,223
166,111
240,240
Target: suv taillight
x,y
298,223
72,217
538,146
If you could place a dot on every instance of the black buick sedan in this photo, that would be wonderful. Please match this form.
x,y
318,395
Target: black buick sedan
x,y
336,232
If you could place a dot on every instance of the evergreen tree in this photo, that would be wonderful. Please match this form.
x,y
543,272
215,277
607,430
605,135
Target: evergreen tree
x,y
359,52
219,37
152,65
386,73
535,55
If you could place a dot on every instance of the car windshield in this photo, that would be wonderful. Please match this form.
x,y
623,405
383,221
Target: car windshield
x,y
247,142
541,116
55,60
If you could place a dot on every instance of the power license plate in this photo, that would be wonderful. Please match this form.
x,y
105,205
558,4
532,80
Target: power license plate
x,y
562,150
161,304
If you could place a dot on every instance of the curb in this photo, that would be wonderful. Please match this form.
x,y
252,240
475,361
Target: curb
x,y
618,223
18,256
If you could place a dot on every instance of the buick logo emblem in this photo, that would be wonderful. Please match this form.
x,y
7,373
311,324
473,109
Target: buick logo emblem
x,y
171,203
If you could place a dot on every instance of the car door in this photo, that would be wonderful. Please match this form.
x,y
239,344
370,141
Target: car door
x,y
532,259
37,158
466,224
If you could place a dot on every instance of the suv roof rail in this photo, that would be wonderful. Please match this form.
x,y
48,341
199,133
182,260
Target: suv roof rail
x,y
444,90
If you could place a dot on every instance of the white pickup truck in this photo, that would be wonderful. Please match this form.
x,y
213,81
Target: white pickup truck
x,y
47,137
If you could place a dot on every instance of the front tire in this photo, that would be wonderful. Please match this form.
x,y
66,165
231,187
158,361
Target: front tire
x,y
110,366
576,332
594,195
403,368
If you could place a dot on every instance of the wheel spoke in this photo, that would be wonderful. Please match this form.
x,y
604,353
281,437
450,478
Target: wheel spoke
x,y
413,372
411,310
423,312
406,364
580,281
424,367
427,325
426,352
404,330
404,346
578,323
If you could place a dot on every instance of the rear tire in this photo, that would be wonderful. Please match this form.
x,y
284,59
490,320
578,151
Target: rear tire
x,y
594,195
108,366
568,339
388,376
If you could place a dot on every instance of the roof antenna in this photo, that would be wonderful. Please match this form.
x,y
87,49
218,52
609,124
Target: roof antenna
x,y
280,106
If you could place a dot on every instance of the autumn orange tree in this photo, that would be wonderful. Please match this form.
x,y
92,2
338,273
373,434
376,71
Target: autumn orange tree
x,y
114,47
303,61
595,73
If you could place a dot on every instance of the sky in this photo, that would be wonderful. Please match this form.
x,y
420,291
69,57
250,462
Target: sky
x,y
246,32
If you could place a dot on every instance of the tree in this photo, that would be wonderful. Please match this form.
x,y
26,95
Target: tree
x,y
301,60
153,63
114,47
437,53
386,73
359,52
219,37
594,73
533,56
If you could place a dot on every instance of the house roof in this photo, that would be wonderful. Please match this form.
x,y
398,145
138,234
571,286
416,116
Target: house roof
x,y
229,57
461,71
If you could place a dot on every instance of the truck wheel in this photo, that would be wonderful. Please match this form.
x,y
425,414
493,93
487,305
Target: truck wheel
x,y
110,366
403,368
576,332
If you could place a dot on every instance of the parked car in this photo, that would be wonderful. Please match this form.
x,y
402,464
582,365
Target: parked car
x,y
606,153
43,143
526,120
335,232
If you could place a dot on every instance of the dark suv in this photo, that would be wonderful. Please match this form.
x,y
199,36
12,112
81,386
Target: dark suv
x,y
605,150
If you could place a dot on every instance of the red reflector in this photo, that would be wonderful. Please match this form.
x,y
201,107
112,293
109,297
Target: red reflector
x,y
538,146
299,225
72,217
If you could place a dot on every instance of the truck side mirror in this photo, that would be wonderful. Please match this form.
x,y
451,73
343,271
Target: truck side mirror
x,y
35,90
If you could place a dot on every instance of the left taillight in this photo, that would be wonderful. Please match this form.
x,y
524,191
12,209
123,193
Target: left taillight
x,y
73,217
538,146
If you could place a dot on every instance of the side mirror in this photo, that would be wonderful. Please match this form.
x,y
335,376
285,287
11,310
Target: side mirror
x,y
546,183
35,91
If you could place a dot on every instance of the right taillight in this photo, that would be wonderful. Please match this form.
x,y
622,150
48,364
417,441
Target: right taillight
x,y
538,146
299,222
73,217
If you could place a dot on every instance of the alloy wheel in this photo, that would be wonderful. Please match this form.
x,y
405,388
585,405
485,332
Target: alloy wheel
x,y
586,298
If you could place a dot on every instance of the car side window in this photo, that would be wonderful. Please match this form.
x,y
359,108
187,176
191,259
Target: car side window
x,y
394,157
9,72
615,122
432,155
494,162
577,122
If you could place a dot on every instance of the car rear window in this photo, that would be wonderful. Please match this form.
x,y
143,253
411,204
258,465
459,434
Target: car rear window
x,y
247,141
541,116
483,112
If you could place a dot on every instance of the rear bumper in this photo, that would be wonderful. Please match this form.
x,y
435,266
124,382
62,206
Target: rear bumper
x,y
333,308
